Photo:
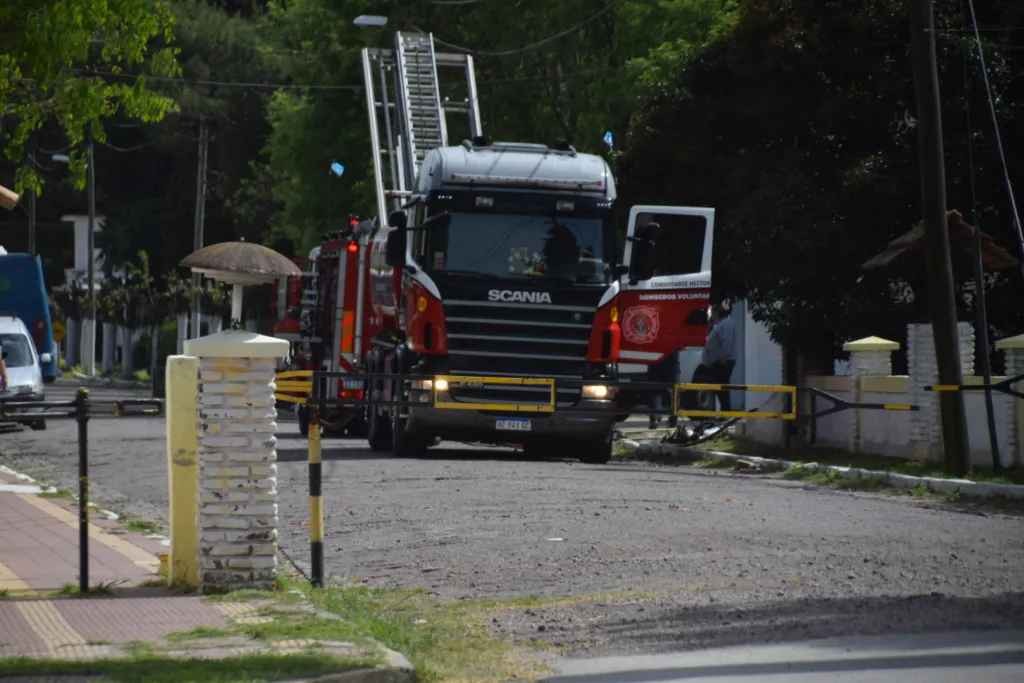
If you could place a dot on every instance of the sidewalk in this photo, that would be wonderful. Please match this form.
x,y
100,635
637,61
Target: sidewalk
x,y
129,627
39,561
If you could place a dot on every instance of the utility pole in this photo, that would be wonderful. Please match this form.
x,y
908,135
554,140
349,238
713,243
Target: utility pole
x,y
941,299
199,237
90,359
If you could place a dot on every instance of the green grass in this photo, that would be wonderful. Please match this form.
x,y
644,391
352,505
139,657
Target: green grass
x,y
715,464
100,588
827,477
198,633
57,493
445,641
141,376
154,669
868,461
141,526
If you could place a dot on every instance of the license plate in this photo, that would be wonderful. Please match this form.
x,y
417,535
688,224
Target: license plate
x,y
513,425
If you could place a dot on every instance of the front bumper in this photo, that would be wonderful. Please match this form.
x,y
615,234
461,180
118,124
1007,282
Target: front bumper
x,y
589,420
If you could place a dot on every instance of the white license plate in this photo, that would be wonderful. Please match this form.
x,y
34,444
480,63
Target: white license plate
x,y
513,425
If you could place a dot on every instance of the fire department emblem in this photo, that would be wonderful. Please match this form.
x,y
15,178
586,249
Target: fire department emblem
x,y
640,324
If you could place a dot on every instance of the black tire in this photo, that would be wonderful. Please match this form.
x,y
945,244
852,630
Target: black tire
x,y
378,431
542,450
38,425
303,416
405,443
598,451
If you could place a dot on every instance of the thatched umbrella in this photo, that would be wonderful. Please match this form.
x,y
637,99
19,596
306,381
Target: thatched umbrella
x,y
240,264
910,247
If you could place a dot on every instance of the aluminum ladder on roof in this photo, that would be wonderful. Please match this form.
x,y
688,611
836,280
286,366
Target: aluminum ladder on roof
x,y
407,115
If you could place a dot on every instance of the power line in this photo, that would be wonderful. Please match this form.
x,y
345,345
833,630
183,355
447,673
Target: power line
x,y
231,84
531,46
999,137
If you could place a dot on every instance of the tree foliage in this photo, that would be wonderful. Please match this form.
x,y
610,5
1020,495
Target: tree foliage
x,y
799,125
76,62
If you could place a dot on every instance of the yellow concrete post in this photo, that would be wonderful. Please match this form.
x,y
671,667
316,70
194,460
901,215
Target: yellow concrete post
x,y
182,398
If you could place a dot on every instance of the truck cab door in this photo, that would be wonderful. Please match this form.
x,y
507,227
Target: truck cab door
x,y
664,296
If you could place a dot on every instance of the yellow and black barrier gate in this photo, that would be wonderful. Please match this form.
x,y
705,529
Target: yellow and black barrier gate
x,y
1005,387
840,404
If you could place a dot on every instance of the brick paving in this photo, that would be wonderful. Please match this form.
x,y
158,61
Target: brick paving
x,y
39,556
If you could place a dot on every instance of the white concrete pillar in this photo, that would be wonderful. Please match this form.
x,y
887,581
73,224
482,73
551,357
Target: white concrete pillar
x,y
1014,349
237,459
183,332
72,340
869,357
109,342
926,424
127,346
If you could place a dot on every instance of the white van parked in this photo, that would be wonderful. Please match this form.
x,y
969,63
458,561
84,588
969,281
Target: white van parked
x,y
23,374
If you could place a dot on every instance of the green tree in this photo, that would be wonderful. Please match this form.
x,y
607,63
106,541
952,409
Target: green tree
x,y
570,71
799,126
74,62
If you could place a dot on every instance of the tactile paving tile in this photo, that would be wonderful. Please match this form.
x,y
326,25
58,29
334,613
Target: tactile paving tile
x,y
120,620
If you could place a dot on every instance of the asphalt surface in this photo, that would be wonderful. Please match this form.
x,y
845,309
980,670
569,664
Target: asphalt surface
x,y
651,558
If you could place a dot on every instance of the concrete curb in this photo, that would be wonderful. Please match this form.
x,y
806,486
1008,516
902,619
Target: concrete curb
x,y
963,487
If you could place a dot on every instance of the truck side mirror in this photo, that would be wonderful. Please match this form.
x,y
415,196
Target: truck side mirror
x,y
45,358
394,249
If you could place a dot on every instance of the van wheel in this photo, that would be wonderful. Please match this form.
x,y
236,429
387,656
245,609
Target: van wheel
x,y
597,451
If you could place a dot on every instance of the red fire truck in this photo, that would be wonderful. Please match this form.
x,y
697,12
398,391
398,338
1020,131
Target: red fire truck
x,y
490,300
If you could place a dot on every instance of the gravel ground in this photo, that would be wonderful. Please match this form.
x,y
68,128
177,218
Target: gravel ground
x,y
651,557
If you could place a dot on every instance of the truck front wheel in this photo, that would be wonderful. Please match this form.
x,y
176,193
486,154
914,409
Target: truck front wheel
x,y
597,451
378,431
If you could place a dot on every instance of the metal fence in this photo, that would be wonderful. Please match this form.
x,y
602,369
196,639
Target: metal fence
x,y
82,409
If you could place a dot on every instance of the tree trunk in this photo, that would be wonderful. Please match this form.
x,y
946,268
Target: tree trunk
x,y
154,348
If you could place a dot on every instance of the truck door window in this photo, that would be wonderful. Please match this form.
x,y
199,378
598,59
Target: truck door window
x,y
680,242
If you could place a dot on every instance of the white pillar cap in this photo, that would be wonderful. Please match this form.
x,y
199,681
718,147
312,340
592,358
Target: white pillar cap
x,y
871,344
237,344
1011,343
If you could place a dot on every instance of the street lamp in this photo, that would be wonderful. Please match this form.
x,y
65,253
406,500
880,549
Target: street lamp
x,y
90,337
370,21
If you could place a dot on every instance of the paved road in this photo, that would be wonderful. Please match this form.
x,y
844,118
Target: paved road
x,y
986,657
656,558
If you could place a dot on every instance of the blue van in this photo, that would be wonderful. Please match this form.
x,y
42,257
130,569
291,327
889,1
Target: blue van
x,y
23,295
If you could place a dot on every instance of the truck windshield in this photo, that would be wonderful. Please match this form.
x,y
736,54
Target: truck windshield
x,y
16,350
519,246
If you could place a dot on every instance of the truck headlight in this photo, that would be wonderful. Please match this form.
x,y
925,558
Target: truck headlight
x,y
598,392
441,384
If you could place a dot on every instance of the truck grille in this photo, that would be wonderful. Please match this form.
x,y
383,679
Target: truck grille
x,y
518,339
